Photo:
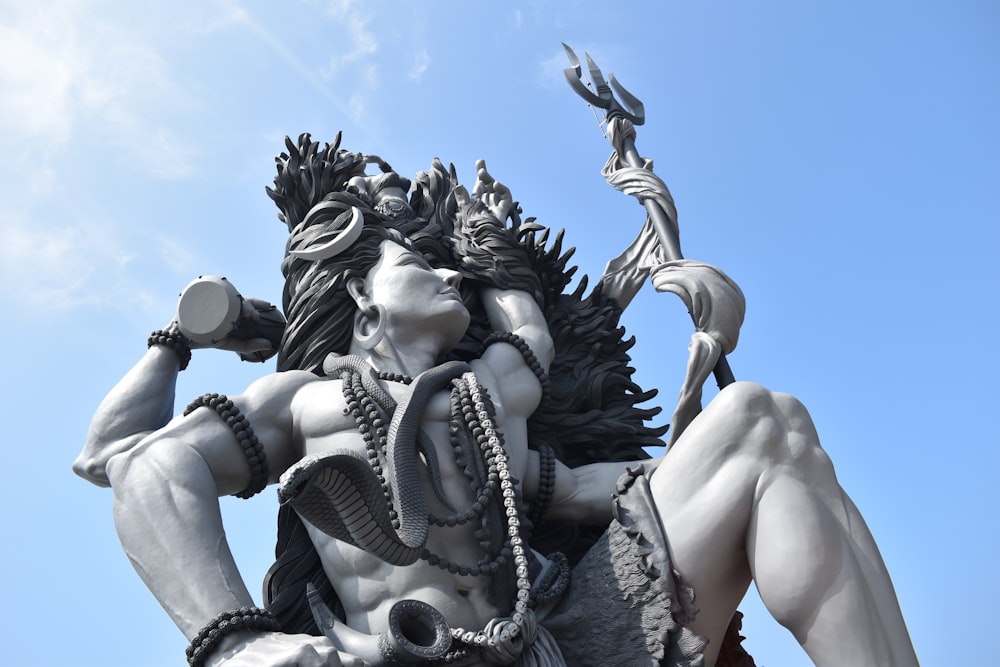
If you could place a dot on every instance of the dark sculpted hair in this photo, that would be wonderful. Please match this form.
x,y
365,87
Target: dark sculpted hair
x,y
312,192
317,305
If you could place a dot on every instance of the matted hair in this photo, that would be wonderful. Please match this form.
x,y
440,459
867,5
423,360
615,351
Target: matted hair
x,y
317,305
318,309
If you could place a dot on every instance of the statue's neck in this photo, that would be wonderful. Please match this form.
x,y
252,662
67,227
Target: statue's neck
x,y
407,360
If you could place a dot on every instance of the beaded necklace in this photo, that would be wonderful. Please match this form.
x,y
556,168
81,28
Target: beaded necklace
x,y
491,437
466,420
479,451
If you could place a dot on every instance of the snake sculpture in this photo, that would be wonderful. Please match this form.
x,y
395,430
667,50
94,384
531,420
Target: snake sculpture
x,y
340,492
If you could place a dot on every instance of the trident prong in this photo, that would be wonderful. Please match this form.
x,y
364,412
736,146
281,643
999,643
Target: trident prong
x,y
638,111
574,75
630,108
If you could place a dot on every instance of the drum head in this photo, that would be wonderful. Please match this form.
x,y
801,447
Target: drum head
x,y
208,310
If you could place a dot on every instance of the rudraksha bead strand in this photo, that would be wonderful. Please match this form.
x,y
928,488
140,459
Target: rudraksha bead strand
x,y
252,449
176,341
546,484
395,377
210,636
490,641
529,356
373,432
555,582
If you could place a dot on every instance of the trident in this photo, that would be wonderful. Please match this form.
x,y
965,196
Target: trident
x,y
632,110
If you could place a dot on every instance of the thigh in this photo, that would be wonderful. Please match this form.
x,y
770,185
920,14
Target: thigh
x,y
704,491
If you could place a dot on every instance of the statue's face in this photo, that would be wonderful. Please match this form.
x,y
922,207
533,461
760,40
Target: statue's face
x,y
419,300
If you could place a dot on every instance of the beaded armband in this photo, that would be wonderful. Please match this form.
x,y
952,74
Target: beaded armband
x,y
252,448
210,636
546,484
174,340
552,584
529,357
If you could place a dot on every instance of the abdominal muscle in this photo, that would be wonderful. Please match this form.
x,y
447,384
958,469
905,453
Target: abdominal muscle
x,y
368,587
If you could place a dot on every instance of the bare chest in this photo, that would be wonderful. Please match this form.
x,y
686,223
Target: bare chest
x,y
326,419
324,414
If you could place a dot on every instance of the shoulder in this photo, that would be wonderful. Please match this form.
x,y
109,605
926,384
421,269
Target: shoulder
x,y
279,399
282,387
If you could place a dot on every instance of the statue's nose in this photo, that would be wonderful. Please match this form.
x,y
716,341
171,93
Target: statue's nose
x,y
451,278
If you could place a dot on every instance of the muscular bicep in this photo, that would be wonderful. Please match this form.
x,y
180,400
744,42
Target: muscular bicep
x,y
240,446
516,364
517,312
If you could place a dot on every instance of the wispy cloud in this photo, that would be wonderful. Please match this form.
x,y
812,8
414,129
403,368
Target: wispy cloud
x,y
360,42
63,67
355,55
550,69
236,14
421,61
81,84
175,254
47,268
54,268
36,84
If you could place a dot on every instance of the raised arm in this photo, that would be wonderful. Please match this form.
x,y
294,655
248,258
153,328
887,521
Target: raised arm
x,y
489,253
514,311
143,400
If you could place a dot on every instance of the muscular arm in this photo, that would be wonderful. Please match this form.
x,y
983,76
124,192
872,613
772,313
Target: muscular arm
x,y
166,506
582,494
140,403
143,400
518,313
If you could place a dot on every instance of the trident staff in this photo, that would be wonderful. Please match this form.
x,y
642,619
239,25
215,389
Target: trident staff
x,y
621,118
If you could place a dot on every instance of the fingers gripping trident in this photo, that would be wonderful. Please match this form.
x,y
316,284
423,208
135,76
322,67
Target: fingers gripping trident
x,y
622,117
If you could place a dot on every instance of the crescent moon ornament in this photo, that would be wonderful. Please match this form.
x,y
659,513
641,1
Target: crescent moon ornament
x,y
340,242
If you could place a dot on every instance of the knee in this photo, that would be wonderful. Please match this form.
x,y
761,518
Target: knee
x,y
777,425
754,408
746,396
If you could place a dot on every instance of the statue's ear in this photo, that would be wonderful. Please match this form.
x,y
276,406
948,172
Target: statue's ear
x,y
370,320
356,288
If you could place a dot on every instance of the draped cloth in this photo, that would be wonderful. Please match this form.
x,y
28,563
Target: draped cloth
x,y
626,604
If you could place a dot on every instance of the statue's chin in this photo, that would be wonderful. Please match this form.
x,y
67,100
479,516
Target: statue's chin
x,y
453,327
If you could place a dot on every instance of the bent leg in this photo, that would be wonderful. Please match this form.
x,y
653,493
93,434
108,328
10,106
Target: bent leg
x,y
747,491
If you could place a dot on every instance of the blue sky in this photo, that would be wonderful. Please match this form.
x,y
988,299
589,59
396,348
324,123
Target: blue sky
x,y
838,160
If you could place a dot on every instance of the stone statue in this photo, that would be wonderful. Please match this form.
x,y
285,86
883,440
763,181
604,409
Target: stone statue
x,y
458,451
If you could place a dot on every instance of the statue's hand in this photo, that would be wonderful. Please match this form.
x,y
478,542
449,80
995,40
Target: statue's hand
x,y
257,319
250,313
485,250
494,195
277,649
